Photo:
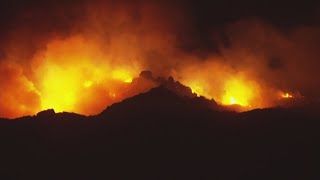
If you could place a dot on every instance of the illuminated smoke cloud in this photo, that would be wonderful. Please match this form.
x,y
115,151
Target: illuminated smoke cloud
x,y
18,95
83,57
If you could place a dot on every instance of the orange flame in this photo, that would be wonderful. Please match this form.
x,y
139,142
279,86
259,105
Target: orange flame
x,y
74,75
287,95
70,76
239,92
95,65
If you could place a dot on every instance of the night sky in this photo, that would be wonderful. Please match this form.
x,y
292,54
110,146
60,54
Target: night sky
x,y
205,16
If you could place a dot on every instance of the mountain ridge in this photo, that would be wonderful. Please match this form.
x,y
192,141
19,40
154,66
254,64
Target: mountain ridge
x,y
161,135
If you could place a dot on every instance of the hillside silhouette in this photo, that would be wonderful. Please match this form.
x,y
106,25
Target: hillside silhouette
x,y
162,134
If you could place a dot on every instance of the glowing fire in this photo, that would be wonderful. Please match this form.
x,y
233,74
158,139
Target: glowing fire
x,y
238,92
287,96
70,78
74,75
87,84
63,89
122,75
197,88
84,73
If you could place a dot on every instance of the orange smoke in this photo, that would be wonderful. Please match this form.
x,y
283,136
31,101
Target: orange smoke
x,y
18,95
74,75
94,63
218,81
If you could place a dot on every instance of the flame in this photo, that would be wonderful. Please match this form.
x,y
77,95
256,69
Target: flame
x,y
122,75
113,95
73,74
62,89
217,81
196,87
287,96
238,92
233,100
87,84
70,78
95,63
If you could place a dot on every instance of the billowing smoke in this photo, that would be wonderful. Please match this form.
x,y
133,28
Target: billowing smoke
x,y
83,57
18,94
264,58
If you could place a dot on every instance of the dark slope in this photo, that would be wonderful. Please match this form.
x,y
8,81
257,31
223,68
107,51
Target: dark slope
x,y
161,100
161,135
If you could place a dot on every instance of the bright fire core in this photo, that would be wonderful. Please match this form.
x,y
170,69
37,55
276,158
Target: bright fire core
x,y
235,91
238,92
62,89
74,75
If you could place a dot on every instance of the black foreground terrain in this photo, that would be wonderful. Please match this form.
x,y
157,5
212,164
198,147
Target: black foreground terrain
x,y
160,135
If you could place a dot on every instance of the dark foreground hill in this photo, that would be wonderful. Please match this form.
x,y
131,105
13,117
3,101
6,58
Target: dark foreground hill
x,y
160,135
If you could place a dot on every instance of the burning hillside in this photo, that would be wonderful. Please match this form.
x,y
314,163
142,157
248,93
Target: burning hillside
x,y
92,60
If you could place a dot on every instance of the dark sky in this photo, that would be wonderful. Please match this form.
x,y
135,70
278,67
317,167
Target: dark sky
x,y
278,12
205,15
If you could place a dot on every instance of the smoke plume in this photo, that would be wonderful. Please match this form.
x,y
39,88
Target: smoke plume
x,y
83,56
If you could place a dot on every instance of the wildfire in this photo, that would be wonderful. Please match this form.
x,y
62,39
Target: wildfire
x,y
238,92
90,66
122,75
63,89
70,78
287,96
87,84
197,88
